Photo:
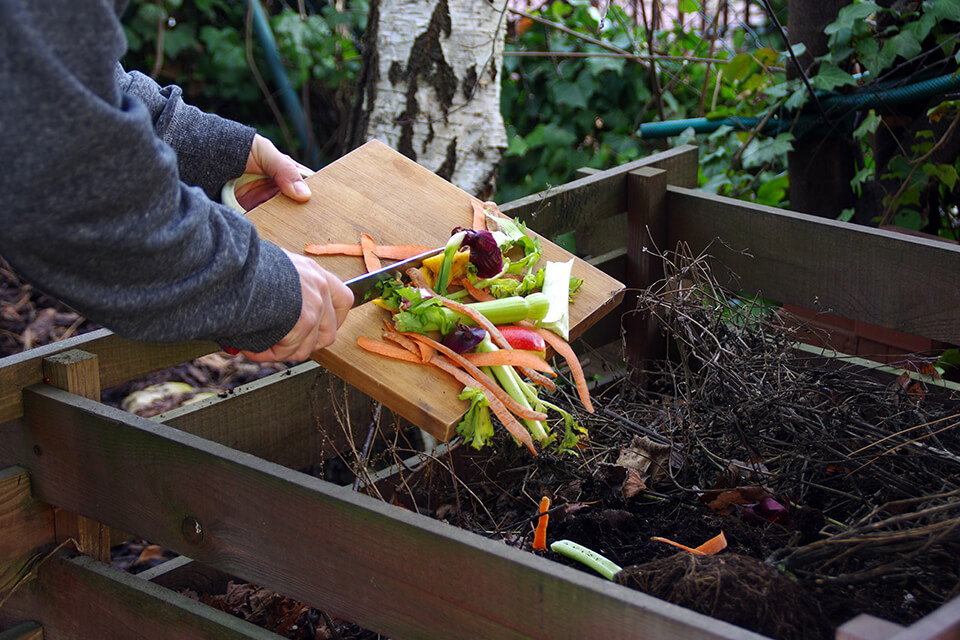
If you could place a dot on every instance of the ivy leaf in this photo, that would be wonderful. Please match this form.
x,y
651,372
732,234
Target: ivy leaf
x,y
570,94
772,192
760,151
850,15
904,44
830,76
945,173
942,9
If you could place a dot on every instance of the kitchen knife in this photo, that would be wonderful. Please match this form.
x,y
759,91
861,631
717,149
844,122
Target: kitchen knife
x,y
365,287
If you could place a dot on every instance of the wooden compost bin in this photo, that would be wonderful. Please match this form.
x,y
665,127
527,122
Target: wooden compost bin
x,y
214,481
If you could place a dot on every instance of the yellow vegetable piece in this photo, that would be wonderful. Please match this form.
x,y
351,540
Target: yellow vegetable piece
x,y
458,266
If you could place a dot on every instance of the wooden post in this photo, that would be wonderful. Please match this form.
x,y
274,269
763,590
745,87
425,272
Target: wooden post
x,y
646,229
78,372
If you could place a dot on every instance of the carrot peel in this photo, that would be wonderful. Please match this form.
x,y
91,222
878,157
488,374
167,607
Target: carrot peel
x,y
710,547
540,534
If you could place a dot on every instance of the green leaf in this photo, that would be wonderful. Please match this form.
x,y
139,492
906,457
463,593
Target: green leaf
x,y
570,94
830,76
904,44
761,151
846,215
909,219
869,125
773,192
850,15
942,9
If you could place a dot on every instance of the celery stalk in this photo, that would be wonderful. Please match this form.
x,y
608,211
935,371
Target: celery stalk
x,y
514,386
424,318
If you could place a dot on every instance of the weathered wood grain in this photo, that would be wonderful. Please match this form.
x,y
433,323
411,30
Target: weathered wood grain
x,y
80,598
894,280
120,360
385,568
378,191
25,526
78,372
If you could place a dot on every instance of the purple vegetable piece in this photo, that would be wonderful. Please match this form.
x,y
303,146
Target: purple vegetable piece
x,y
767,510
464,338
484,252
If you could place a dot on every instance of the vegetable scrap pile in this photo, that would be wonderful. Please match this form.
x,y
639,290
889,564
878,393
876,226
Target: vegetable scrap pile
x,y
842,479
485,311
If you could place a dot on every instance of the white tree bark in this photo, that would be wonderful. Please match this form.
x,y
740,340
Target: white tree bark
x,y
432,89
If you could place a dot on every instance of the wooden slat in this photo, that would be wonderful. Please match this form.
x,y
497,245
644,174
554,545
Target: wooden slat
x,y
80,598
942,624
290,418
880,277
185,573
120,360
25,525
23,631
78,372
587,200
867,627
387,569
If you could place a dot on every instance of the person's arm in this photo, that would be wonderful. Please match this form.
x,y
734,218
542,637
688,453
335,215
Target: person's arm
x,y
95,209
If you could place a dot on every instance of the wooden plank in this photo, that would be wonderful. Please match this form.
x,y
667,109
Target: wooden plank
x,y
893,280
942,624
23,631
305,405
585,201
78,372
120,360
376,190
82,598
867,627
25,526
182,573
385,568
646,237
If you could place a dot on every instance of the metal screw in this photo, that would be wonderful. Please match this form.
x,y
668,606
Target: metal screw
x,y
192,530
37,450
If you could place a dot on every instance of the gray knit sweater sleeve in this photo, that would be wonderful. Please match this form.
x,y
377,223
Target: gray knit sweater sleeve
x,y
105,189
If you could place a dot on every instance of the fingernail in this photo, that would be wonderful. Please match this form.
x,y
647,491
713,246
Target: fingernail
x,y
301,188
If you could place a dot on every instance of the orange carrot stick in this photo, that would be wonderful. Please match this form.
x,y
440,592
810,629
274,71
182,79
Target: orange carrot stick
x,y
510,357
386,349
370,259
385,251
564,349
481,378
510,423
710,547
477,294
540,534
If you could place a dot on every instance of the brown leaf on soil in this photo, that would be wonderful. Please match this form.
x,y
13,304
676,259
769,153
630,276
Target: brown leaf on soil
x,y
650,460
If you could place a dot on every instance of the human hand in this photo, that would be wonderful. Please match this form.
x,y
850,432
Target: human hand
x,y
326,301
284,175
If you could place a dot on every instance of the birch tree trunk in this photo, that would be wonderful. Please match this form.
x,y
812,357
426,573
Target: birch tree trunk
x,y
431,87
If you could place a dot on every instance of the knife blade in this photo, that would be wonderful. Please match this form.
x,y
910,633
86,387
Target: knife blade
x,y
365,287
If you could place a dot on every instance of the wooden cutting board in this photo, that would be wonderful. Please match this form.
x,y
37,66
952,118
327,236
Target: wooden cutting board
x,y
378,191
